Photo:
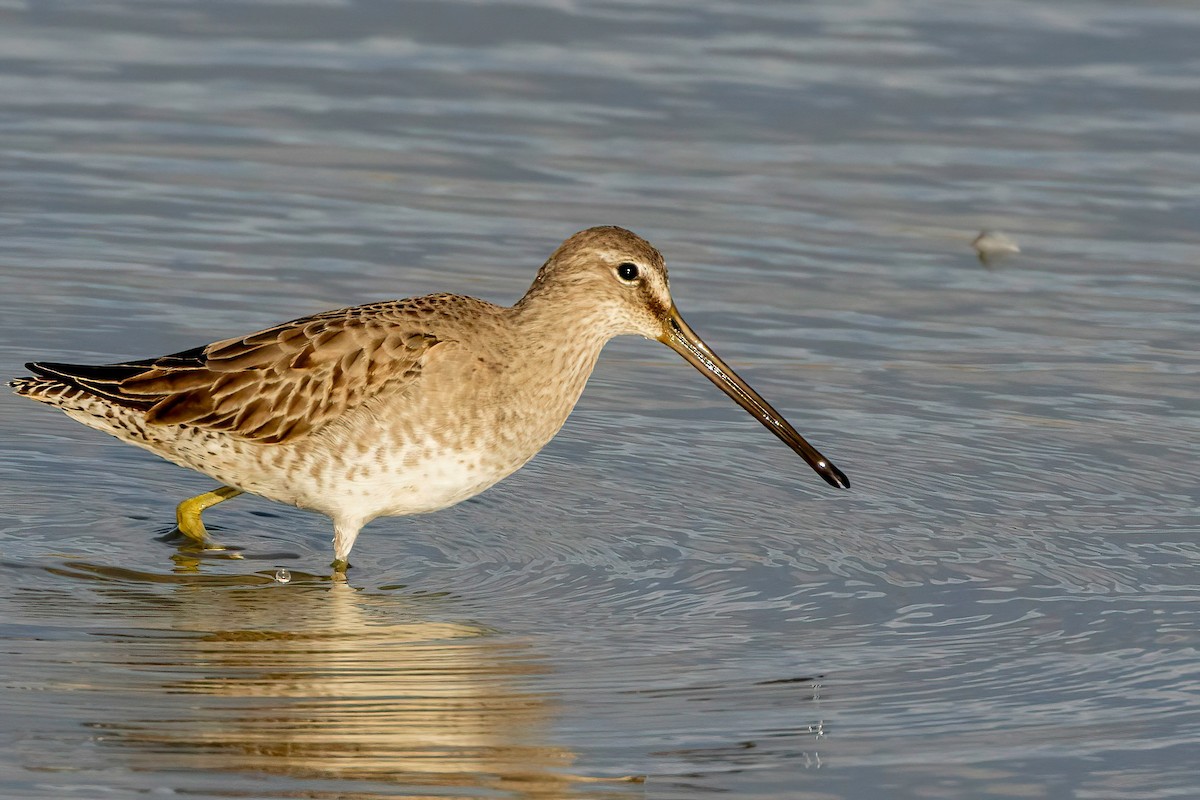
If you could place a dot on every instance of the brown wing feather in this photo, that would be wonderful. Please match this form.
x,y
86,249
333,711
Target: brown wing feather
x,y
282,383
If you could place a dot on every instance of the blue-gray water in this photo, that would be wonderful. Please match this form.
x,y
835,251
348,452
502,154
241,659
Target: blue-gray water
x,y
1004,605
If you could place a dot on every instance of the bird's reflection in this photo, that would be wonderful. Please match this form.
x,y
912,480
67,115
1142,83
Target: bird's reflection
x,y
318,681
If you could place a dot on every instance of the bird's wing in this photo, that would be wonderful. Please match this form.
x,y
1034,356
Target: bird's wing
x,y
276,385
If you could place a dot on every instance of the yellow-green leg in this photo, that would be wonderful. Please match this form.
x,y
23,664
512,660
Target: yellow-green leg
x,y
344,534
187,514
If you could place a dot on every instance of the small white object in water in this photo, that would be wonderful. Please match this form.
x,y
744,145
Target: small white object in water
x,y
991,245
283,575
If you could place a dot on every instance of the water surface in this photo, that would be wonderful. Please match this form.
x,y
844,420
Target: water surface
x,y
1004,605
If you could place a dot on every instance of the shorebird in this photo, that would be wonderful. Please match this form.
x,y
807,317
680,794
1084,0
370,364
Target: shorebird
x,y
399,407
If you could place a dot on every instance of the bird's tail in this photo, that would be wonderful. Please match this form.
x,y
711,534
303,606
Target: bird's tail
x,y
43,390
68,384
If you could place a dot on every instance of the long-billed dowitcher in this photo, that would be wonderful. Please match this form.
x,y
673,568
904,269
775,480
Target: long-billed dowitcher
x,y
399,407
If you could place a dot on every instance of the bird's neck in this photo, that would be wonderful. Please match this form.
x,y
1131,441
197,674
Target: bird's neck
x,y
547,314
563,342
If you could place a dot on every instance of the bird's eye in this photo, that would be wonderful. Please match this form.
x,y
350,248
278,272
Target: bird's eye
x,y
627,271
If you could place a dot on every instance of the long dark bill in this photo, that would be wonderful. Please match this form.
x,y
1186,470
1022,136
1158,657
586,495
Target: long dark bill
x,y
683,340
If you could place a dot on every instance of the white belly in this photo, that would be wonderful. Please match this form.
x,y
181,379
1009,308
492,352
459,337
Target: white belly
x,y
382,480
428,482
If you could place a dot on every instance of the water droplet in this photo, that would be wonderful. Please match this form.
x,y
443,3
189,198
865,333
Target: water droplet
x,y
283,575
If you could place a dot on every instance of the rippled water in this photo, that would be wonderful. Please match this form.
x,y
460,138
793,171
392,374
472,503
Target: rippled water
x,y
1005,605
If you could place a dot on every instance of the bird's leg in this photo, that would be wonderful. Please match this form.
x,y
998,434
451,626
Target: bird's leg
x,y
344,534
187,514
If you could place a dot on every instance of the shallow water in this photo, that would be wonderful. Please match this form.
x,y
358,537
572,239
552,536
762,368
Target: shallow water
x,y
1005,604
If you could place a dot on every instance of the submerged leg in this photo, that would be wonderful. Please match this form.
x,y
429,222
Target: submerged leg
x,y
187,514
344,534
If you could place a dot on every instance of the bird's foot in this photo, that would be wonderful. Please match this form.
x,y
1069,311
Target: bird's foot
x,y
188,520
